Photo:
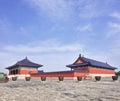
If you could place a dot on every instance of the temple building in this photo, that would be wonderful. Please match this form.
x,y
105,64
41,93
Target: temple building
x,y
92,67
84,67
23,67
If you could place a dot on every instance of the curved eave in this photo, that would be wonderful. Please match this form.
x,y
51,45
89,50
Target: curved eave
x,y
13,66
74,66
77,65
112,68
32,66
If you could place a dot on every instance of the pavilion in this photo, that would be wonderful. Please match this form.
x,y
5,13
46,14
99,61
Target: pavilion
x,y
23,67
92,67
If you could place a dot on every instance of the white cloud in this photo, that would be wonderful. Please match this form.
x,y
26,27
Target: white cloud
x,y
70,9
54,9
4,25
53,59
115,47
7,29
92,8
113,29
114,54
43,47
116,15
56,56
7,59
23,31
84,28
113,35
50,61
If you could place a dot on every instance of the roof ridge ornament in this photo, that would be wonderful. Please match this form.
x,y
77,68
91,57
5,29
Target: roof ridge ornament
x,y
80,55
26,58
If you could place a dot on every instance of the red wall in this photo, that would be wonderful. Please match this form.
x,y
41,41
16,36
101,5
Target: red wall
x,y
79,74
57,74
54,74
75,74
27,71
100,71
85,68
97,70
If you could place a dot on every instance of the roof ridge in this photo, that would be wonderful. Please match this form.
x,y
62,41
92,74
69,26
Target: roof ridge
x,y
91,62
95,60
25,62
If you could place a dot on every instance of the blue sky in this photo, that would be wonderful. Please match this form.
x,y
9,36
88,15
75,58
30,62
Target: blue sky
x,y
54,32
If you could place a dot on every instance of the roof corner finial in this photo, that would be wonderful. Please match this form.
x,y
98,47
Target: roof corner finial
x,y
80,55
26,57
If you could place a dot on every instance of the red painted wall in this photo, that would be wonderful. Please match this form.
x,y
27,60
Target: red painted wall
x,y
57,74
54,74
85,68
79,74
100,71
97,70
27,71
